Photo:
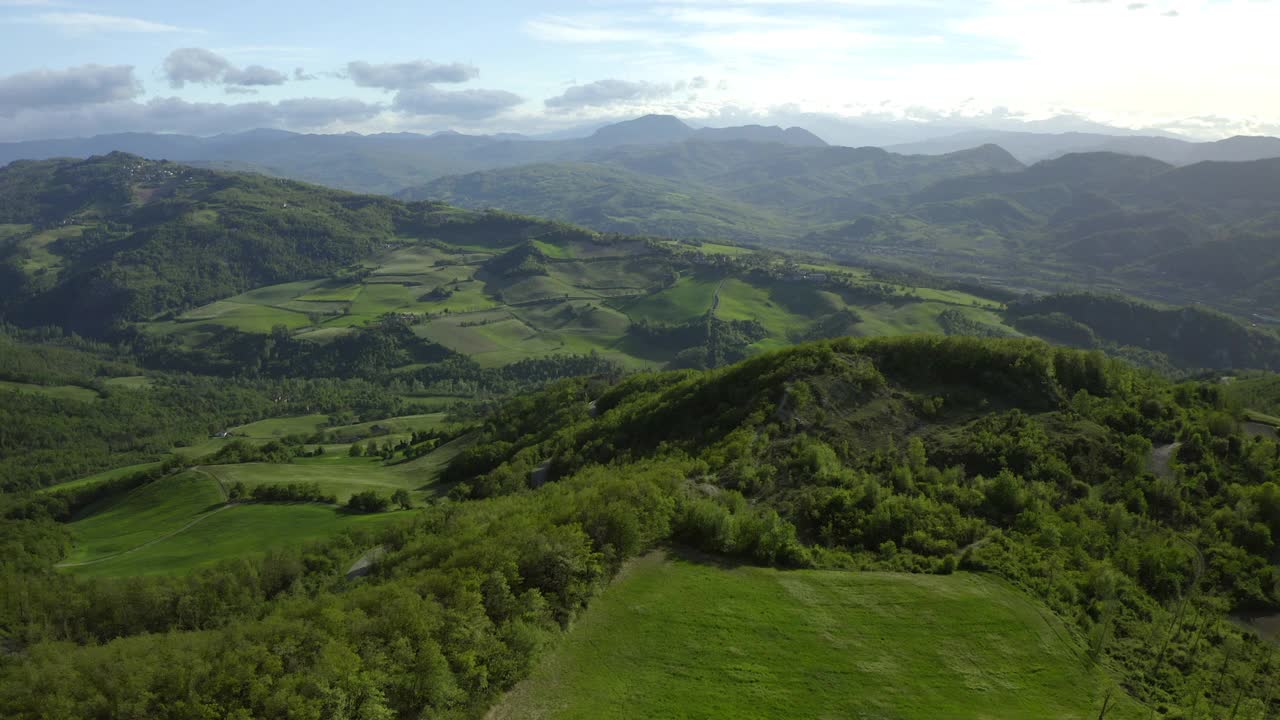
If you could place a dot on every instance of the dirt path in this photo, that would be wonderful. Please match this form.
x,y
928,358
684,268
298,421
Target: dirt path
x,y
225,495
1161,460
365,563
1254,429
147,543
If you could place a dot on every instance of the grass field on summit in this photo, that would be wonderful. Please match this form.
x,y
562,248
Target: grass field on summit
x,y
682,639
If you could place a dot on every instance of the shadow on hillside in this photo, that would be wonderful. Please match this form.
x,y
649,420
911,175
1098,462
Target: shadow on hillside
x,y
699,557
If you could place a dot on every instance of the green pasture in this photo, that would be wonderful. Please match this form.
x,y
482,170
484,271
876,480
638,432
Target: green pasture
x,y
143,515
682,639
130,382
280,427
332,292
741,300
237,531
61,392
689,298
246,317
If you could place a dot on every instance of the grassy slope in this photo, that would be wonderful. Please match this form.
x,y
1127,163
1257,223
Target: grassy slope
x,y
179,523
585,302
62,392
142,515
238,531
113,474
338,474
683,639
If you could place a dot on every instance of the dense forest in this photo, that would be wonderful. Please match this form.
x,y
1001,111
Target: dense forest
x,y
926,455
1191,337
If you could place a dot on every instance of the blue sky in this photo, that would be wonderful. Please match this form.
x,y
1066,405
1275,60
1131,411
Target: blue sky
x,y
1203,67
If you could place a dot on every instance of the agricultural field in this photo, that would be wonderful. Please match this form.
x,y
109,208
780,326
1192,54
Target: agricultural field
x,y
182,522
583,299
273,428
385,430
748,642
690,298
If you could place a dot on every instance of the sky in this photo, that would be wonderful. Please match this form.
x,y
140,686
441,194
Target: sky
x,y
1203,68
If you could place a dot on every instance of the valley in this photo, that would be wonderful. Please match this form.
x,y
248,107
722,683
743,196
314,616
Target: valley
x,y
691,360
859,461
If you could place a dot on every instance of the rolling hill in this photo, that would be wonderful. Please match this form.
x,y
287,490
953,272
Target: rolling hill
x,y
608,198
230,273
906,524
743,191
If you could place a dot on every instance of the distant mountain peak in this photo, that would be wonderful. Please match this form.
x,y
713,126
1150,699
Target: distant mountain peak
x,y
991,154
664,129
644,130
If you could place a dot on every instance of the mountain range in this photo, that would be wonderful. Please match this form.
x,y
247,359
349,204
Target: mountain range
x,y
388,163
1180,230
1033,147
762,193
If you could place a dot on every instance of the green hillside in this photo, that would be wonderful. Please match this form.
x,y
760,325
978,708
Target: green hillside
x,y
1203,233
138,238
1053,529
1196,234
746,642
608,198
751,192
389,288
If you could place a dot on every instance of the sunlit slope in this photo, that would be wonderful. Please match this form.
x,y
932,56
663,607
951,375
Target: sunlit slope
x,y
687,639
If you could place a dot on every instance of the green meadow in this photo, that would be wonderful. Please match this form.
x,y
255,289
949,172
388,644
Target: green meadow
x,y
62,392
237,531
686,639
182,522
336,474
126,521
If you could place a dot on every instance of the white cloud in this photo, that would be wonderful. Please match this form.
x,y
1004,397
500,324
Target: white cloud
x,y
609,91
78,86
205,67
1145,63
407,75
86,22
173,114
472,104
